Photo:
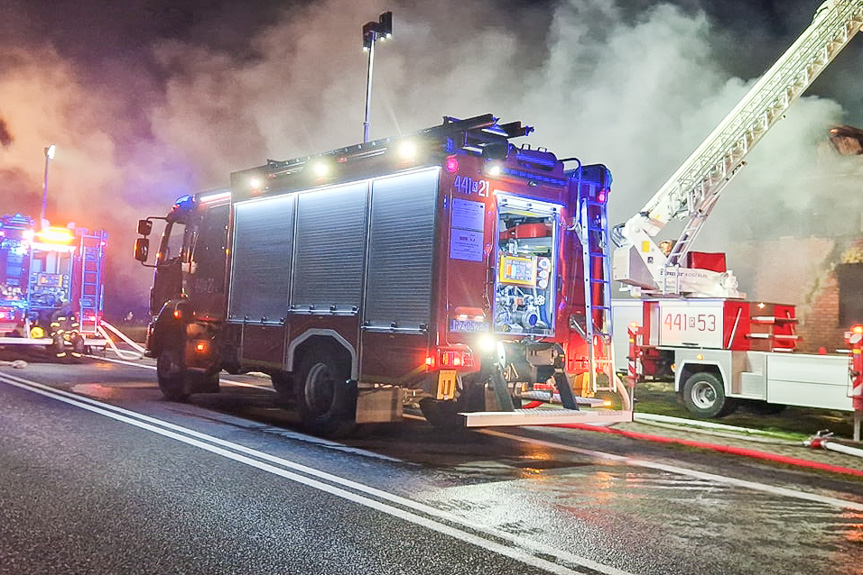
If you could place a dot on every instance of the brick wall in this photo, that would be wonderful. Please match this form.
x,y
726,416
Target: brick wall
x,y
796,271
819,318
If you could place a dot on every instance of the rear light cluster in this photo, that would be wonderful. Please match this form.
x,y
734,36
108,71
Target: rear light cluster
x,y
459,359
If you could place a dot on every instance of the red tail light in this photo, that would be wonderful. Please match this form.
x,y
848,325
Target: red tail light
x,y
449,358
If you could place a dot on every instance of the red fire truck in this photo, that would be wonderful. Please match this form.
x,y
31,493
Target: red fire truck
x,y
448,267
51,286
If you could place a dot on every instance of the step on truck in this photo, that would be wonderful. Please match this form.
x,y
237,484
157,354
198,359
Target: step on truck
x,y
447,269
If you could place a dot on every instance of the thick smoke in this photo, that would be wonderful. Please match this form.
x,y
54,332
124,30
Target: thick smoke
x,y
636,89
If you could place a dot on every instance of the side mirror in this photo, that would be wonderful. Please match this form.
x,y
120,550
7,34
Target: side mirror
x,y
145,227
142,248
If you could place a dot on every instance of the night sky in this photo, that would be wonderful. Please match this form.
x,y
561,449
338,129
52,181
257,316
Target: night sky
x,y
150,99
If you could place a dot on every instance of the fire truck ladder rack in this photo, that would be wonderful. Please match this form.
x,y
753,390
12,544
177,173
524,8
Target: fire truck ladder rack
x,y
596,258
92,253
477,134
693,189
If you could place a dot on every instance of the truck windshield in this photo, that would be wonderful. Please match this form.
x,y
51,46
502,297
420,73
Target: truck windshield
x,y
525,282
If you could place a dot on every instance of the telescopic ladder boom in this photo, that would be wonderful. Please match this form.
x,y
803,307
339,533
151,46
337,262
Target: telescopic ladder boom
x,y
692,191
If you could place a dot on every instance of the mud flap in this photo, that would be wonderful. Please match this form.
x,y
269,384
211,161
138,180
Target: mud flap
x,y
501,390
563,388
379,405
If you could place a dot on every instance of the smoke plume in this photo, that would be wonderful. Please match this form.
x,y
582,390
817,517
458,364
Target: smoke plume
x,y
199,93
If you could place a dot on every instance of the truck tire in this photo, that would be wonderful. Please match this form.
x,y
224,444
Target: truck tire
x,y
704,396
326,401
171,373
207,381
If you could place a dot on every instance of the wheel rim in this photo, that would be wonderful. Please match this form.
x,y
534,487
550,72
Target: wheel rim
x,y
703,395
319,388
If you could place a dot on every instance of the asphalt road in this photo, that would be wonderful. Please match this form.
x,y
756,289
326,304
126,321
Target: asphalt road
x,y
98,474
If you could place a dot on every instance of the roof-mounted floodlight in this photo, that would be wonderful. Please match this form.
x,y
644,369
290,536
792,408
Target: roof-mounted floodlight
x,y
373,31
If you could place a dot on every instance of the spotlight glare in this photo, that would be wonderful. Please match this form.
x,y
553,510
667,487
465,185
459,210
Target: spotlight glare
x,y
321,169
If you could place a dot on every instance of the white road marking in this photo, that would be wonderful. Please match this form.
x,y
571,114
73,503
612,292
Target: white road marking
x,y
518,548
755,486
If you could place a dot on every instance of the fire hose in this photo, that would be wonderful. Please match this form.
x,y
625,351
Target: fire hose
x,y
138,352
823,440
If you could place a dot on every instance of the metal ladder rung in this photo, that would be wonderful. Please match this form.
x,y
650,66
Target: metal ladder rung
x,y
595,247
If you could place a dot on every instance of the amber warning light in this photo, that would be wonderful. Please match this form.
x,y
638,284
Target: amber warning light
x,y
52,235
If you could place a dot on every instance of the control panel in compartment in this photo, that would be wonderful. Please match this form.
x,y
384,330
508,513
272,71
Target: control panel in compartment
x,y
525,291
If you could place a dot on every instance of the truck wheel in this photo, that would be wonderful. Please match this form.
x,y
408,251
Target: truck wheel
x,y
171,373
206,382
327,402
704,396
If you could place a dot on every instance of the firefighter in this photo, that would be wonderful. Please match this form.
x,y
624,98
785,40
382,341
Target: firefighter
x,y
666,246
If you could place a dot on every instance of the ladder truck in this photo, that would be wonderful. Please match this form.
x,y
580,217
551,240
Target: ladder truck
x,y
51,286
449,269
693,317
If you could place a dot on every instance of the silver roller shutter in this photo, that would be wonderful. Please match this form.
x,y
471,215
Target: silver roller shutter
x,y
401,250
261,260
330,249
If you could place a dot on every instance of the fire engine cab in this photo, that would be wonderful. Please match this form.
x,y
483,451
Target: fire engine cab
x,y
448,268
50,286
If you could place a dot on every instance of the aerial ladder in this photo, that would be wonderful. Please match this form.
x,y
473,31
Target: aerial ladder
x,y
691,193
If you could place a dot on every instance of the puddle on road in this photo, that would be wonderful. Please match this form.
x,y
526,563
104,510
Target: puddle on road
x,y
622,516
104,391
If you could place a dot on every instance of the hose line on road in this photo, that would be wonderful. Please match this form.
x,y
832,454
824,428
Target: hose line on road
x,y
824,440
720,448
122,354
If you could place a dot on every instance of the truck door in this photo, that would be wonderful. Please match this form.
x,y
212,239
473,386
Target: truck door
x,y
205,284
173,253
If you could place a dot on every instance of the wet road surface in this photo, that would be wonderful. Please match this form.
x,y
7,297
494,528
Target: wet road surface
x,y
225,484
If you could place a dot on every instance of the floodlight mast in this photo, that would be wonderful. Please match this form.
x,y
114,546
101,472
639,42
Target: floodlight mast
x,y
372,32
49,155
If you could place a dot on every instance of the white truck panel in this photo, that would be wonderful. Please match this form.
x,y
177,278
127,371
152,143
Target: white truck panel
x,y
690,323
809,380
